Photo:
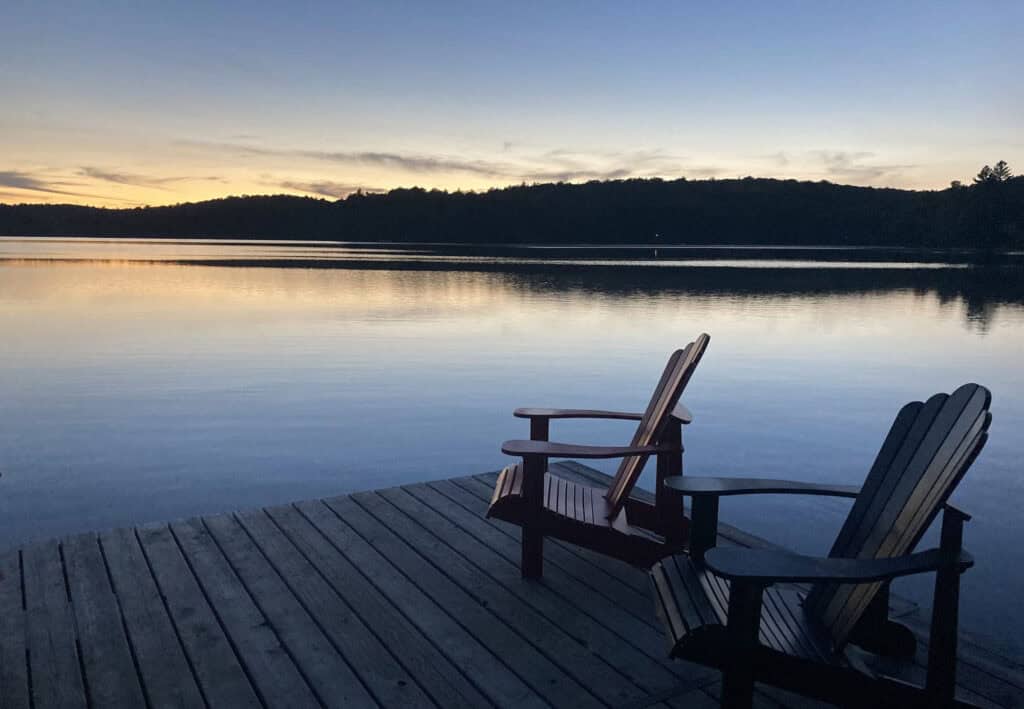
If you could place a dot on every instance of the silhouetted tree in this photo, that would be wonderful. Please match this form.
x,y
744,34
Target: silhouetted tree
x,y
984,175
1001,171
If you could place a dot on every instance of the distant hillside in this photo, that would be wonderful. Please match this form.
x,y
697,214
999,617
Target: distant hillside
x,y
746,211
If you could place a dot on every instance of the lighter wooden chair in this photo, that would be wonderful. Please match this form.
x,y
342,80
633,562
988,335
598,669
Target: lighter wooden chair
x,y
608,521
739,609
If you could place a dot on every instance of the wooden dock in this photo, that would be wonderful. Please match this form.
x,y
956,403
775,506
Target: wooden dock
x,y
403,597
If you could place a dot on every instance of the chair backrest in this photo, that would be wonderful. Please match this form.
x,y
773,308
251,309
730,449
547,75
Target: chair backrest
x,y
928,450
666,395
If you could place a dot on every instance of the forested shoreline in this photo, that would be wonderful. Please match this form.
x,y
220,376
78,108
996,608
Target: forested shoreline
x,y
988,214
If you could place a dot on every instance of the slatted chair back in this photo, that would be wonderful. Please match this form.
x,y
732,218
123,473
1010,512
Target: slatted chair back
x,y
666,396
928,450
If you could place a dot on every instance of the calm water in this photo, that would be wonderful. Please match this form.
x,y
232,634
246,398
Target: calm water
x,y
144,381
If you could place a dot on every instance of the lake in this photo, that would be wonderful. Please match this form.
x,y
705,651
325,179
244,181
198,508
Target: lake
x,y
145,380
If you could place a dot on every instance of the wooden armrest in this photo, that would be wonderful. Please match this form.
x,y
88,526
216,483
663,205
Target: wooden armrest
x,y
721,487
568,450
680,412
529,413
768,566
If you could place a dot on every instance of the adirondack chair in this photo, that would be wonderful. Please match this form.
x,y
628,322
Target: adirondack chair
x,y
745,611
604,520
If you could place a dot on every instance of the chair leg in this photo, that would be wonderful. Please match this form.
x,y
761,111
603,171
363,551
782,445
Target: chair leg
x,y
532,560
704,528
941,679
741,630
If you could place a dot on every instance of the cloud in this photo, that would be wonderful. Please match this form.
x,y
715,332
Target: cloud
x,y
326,188
135,180
26,181
582,174
565,166
703,171
553,165
852,166
407,162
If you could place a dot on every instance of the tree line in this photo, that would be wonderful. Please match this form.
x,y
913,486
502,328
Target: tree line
x,y
987,214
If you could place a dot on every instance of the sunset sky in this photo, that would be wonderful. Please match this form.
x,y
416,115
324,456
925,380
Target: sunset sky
x,y
121,104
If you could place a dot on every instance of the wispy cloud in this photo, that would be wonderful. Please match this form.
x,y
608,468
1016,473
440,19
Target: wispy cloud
x,y
577,175
30,182
406,162
136,180
326,188
856,166
27,181
553,165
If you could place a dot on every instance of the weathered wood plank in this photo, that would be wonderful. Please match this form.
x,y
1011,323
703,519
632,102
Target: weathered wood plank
x,y
375,666
560,599
51,630
319,662
106,657
270,668
977,668
218,670
14,692
441,679
693,699
544,677
166,676
493,678
439,543
616,580
619,571
614,586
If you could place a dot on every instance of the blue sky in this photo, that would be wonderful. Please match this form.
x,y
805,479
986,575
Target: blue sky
x,y
128,103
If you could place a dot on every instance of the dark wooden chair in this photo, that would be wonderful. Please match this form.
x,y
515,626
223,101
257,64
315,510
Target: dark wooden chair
x,y
604,520
790,620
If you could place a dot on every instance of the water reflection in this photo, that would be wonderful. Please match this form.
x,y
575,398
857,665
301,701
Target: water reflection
x,y
146,388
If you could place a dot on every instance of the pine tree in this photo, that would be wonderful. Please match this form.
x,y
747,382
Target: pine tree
x,y
1001,172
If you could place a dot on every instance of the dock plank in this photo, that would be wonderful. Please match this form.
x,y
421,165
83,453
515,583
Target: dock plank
x,y
269,666
106,656
504,641
624,604
412,520
53,653
559,599
14,689
616,581
218,670
375,666
432,671
483,485
163,669
315,656
490,675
